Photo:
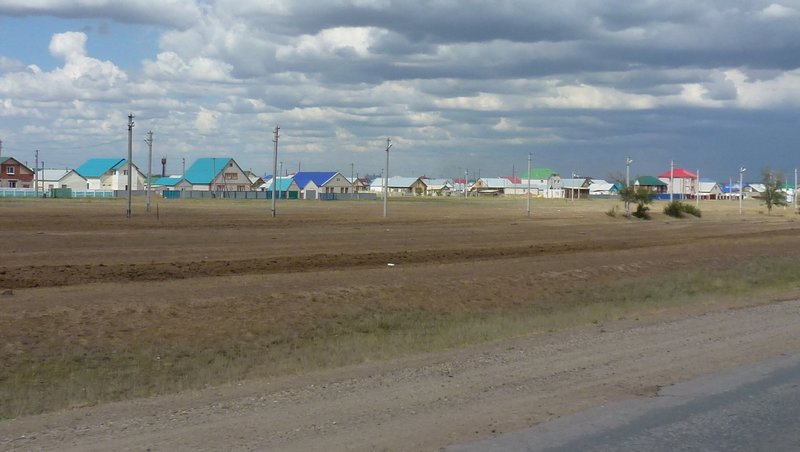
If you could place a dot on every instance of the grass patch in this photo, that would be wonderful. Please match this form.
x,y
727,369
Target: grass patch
x,y
76,376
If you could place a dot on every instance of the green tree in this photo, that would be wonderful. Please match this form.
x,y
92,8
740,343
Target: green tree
x,y
773,189
641,197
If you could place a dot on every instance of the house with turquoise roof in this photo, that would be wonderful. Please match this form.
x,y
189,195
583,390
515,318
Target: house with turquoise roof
x,y
285,187
103,174
217,174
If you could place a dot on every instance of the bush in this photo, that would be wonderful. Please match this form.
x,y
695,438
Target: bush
x,y
678,209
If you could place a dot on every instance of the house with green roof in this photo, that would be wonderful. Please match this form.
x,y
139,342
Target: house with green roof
x,y
544,182
103,174
650,183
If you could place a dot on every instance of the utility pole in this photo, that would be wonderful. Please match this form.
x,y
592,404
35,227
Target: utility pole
x,y
149,141
386,180
130,163
697,190
1,148
275,136
352,177
466,178
741,191
671,179
36,175
795,190
628,162
530,156
183,167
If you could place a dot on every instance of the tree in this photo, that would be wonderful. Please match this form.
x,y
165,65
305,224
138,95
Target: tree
x,y
773,189
641,197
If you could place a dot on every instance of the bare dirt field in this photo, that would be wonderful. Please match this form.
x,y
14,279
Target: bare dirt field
x,y
212,325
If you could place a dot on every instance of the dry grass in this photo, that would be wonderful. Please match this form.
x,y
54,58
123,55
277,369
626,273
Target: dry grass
x,y
89,343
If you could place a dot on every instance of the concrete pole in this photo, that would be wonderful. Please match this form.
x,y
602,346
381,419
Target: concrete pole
x,y
671,179
530,156
130,164
274,167
741,187
697,190
386,180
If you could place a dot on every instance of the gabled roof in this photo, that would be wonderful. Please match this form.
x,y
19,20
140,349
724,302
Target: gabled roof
x,y
574,183
539,173
649,181
168,181
679,173
496,182
438,184
514,179
205,170
318,177
51,174
401,182
283,183
707,187
94,168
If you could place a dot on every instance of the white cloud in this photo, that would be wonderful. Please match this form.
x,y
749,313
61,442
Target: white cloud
x,y
169,65
206,121
778,11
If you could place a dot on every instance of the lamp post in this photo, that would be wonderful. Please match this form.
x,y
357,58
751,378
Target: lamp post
x,y
275,136
628,162
386,179
671,178
741,191
530,155
130,163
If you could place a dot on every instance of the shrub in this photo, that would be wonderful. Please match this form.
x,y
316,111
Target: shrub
x,y
678,209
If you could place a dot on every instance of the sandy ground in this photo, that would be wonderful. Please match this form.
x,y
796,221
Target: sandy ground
x,y
428,402
68,263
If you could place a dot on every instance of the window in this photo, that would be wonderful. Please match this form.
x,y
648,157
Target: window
x,y
231,176
11,170
12,184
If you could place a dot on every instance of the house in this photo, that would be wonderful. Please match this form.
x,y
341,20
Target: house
x,y
650,183
48,178
439,187
545,182
401,186
313,184
710,190
256,181
576,188
680,182
492,186
286,188
599,187
103,174
458,185
171,183
360,185
14,174
218,174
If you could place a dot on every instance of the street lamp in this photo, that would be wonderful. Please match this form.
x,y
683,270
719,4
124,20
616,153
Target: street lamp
x,y
741,191
628,162
386,178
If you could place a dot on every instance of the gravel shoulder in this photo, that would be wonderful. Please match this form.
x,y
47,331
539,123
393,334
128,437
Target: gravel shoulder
x,y
428,402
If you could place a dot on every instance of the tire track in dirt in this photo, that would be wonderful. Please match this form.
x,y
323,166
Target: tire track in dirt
x,y
67,275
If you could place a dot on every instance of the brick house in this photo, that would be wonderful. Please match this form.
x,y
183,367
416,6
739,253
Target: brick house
x,y
14,174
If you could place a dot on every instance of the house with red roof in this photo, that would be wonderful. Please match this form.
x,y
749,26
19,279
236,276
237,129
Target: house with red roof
x,y
680,182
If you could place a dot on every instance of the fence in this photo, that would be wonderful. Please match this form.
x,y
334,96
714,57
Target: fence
x,y
17,193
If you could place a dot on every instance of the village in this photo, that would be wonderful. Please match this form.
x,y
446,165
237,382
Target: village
x,y
223,177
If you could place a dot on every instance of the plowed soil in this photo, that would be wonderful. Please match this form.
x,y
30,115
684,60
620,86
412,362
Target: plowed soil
x,y
77,272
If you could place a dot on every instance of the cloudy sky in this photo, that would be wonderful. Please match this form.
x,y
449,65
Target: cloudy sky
x,y
456,84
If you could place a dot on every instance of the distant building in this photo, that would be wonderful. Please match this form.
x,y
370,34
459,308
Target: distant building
x,y
680,182
13,174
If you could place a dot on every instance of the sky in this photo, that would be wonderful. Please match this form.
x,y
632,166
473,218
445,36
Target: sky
x,y
457,85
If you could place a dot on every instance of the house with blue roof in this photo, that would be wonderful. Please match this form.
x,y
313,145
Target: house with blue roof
x,y
103,174
217,174
312,184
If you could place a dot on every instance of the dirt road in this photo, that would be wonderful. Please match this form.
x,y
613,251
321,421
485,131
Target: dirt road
x,y
429,402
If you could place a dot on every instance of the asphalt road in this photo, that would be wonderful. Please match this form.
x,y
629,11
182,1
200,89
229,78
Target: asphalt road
x,y
750,408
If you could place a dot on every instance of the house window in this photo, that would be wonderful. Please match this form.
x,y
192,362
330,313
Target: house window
x,y
10,170
12,184
231,176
